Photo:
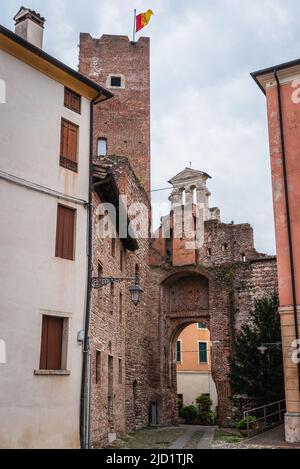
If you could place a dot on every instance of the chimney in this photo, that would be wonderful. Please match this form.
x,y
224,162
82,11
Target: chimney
x,y
30,26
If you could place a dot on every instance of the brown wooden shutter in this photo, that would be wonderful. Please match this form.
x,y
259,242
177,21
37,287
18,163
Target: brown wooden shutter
x,y
72,101
67,101
72,142
55,336
64,138
44,344
51,346
69,145
65,233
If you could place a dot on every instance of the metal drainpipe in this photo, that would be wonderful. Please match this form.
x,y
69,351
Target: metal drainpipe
x,y
287,204
85,398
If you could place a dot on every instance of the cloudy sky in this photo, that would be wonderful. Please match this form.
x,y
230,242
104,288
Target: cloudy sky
x,y
205,107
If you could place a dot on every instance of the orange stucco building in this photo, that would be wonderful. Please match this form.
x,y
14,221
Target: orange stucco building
x,y
280,84
193,357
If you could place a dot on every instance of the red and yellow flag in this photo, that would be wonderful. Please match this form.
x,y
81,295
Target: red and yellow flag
x,y
143,19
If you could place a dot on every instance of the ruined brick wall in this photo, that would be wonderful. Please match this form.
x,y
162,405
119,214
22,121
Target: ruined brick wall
x,y
125,119
137,338
225,243
120,333
237,275
252,281
107,334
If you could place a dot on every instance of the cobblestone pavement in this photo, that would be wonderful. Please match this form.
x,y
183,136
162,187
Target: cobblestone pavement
x,y
206,436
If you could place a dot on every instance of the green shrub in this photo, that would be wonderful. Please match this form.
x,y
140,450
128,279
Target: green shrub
x,y
204,403
207,418
189,413
249,422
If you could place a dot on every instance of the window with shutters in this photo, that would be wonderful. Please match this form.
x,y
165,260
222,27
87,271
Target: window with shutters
x,y
72,101
51,357
69,145
203,358
65,233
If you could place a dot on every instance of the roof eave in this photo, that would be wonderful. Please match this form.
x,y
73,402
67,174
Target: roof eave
x,y
99,90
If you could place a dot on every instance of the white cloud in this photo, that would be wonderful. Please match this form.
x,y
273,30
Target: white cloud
x,y
205,107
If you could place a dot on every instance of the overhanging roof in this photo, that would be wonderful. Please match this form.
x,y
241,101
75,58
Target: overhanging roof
x,y
50,66
265,74
108,192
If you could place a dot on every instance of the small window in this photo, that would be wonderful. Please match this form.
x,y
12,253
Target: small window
x,y
178,351
120,371
203,352
52,343
201,325
69,145
209,252
113,247
121,307
98,367
225,247
115,81
102,147
72,101
121,258
65,233
112,298
243,257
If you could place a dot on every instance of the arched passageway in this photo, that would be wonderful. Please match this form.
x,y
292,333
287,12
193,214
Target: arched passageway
x,y
187,297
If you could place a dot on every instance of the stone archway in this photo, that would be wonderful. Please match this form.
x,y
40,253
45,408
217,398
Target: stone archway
x,y
189,296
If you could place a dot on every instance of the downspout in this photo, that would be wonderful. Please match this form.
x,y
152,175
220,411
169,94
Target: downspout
x,y
85,398
287,204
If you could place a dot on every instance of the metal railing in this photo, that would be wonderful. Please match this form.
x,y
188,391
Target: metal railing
x,y
270,414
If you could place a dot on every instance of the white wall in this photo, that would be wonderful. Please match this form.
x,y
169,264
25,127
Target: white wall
x,y
38,411
192,384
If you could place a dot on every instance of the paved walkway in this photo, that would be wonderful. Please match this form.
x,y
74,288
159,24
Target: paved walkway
x,y
205,441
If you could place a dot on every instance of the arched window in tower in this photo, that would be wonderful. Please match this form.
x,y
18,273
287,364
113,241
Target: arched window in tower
x,y
243,257
102,147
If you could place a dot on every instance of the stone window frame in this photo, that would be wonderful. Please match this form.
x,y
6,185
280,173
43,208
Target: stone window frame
x,y
118,75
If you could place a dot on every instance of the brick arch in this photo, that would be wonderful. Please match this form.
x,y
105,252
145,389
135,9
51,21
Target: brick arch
x,y
188,297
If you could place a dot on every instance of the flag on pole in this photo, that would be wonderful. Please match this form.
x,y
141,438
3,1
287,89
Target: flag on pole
x,y
142,20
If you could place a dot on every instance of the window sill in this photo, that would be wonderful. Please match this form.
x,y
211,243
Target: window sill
x,y
52,372
68,164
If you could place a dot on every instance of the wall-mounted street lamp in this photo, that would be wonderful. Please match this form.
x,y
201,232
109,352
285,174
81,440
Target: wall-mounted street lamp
x,y
263,348
135,290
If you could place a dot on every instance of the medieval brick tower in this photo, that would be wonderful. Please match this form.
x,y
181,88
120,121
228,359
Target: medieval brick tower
x,y
122,125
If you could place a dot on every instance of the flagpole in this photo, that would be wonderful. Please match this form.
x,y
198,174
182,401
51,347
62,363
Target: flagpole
x,y
134,25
